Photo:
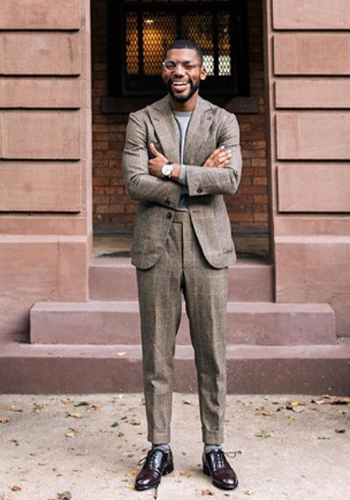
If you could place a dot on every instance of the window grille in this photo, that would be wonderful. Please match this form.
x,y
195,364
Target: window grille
x,y
140,31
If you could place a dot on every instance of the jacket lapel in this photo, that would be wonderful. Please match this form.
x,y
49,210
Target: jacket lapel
x,y
166,129
198,130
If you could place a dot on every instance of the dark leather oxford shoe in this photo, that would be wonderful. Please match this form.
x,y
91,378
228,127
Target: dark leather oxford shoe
x,y
157,464
216,465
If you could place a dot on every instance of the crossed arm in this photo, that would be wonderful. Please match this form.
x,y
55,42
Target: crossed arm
x,y
220,173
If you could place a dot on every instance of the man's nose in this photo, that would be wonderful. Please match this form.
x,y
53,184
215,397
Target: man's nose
x,y
179,70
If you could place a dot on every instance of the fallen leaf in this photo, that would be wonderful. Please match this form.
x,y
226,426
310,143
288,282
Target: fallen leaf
x,y
121,354
186,473
341,401
74,414
293,403
133,472
16,443
38,407
93,406
187,402
66,495
340,431
131,486
81,403
133,421
16,488
323,437
66,401
4,420
207,492
116,424
263,434
249,492
319,401
16,408
71,433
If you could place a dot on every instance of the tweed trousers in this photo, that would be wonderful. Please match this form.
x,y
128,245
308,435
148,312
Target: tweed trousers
x,y
183,269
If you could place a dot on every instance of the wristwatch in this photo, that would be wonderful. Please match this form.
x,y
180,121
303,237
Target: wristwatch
x,y
167,170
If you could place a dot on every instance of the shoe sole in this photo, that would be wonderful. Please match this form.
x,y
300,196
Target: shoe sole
x,y
168,470
206,471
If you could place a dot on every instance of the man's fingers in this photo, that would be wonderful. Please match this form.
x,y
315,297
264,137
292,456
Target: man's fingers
x,y
216,152
154,150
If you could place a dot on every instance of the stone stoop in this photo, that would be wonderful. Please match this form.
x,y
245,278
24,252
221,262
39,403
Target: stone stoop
x,y
112,279
57,369
94,346
117,322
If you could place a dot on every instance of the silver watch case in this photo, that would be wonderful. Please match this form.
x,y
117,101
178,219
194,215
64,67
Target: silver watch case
x,y
167,170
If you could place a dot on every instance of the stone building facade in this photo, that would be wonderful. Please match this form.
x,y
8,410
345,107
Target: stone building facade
x,y
69,322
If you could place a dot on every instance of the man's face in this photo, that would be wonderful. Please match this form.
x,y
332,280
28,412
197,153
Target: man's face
x,y
183,81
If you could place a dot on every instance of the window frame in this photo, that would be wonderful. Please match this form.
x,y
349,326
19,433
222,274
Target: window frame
x,y
239,43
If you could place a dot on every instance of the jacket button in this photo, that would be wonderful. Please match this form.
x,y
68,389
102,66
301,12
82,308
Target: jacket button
x,y
169,215
199,190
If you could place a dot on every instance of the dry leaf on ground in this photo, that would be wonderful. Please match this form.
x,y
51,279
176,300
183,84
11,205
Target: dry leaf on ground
x,y
38,407
16,408
66,495
263,434
186,473
208,492
16,488
72,414
71,433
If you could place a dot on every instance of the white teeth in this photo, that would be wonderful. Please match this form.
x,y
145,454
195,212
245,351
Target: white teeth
x,y
179,84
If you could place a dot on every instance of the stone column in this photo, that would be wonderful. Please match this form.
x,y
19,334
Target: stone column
x,y
45,157
308,51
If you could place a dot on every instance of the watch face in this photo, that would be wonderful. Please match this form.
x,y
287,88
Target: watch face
x,y
167,170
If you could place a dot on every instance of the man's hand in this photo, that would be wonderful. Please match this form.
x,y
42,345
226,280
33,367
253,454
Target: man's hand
x,y
156,164
219,158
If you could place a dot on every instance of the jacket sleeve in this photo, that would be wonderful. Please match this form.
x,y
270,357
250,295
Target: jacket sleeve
x,y
140,184
210,180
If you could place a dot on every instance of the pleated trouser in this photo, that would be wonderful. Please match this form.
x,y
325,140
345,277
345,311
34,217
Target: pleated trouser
x,y
183,268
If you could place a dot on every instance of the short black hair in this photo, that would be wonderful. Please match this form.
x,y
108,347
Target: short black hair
x,y
186,44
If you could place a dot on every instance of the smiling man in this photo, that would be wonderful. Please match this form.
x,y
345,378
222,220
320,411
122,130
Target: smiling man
x,y
181,156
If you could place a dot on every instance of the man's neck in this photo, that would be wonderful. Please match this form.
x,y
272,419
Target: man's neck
x,y
184,106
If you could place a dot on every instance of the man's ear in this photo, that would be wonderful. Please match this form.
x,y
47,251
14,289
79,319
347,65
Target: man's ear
x,y
203,74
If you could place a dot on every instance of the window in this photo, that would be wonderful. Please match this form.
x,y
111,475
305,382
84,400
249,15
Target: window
x,y
140,31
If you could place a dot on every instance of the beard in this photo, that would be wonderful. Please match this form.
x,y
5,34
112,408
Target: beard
x,y
180,97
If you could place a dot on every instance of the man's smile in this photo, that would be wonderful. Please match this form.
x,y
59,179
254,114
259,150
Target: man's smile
x,y
179,85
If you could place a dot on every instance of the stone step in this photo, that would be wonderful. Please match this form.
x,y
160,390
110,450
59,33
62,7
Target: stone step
x,y
250,280
54,369
110,322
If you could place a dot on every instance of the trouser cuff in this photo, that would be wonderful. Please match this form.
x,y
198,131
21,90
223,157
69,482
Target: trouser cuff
x,y
212,437
158,437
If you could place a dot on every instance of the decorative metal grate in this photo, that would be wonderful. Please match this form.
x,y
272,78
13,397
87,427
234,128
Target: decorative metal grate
x,y
147,27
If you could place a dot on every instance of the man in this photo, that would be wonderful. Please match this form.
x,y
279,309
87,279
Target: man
x,y
181,155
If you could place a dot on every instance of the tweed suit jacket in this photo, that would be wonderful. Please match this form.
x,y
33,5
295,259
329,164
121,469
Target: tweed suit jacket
x,y
209,128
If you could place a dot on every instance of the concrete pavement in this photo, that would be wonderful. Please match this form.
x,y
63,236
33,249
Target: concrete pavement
x,y
87,447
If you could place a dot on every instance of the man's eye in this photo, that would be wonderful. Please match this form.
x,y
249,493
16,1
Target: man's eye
x,y
189,65
170,65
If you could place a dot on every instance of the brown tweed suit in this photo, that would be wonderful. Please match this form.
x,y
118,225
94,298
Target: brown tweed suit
x,y
176,251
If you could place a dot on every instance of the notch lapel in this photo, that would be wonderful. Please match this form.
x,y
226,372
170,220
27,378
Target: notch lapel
x,y
166,129
198,130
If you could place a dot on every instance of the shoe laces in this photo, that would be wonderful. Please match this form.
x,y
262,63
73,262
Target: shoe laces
x,y
150,458
220,454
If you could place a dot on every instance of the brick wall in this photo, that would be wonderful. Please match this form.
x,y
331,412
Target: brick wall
x,y
113,209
